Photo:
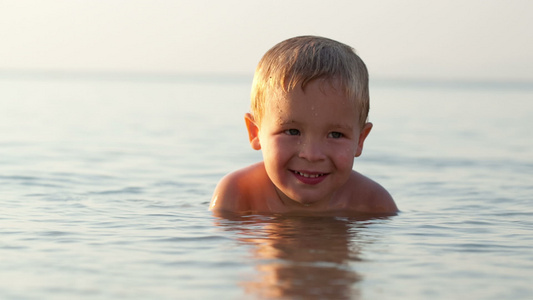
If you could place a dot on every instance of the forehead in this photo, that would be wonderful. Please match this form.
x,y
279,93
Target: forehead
x,y
319,99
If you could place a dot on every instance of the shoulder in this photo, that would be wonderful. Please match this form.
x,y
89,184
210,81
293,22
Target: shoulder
x,y
371,196
233,190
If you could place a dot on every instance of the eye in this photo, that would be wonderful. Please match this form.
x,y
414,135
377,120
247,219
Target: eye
x,y
292,132
335,135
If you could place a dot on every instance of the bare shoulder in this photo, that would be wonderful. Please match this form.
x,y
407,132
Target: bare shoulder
x,y
370,196
234,190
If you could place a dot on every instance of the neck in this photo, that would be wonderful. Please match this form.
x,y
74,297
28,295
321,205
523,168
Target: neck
x,y
289,204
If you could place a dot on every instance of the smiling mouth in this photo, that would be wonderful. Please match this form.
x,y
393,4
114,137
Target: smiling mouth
x,y
308,175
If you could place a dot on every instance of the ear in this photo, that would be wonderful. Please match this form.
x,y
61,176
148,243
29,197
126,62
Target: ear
x,y
362,136
253,131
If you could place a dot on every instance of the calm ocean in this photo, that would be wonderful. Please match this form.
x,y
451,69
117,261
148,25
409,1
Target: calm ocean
x,y
105,183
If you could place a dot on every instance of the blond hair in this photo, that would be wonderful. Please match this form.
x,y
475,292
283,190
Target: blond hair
x,y
297,61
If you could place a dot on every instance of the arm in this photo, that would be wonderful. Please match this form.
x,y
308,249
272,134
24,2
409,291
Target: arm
x,y
227,195
243,191
373,198
382,201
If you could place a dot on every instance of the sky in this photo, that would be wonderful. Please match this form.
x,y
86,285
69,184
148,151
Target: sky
x,y
418,39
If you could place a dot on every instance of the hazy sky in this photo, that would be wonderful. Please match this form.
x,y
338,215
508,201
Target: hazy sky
x,y
452,39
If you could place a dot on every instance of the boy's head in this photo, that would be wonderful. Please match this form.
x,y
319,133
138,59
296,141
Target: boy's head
x,y
295,62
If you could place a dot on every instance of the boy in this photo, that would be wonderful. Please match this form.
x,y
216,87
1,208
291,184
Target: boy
x,y
308,115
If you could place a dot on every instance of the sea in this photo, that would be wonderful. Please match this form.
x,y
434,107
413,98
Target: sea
x,y
105,182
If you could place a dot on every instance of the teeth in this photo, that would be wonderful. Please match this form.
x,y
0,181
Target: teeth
x,y
308,175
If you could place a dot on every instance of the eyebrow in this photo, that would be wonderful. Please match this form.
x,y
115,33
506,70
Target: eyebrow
x,y
339,125
332,125
285,122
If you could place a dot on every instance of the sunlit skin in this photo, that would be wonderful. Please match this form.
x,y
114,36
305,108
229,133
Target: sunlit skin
x,y
309,139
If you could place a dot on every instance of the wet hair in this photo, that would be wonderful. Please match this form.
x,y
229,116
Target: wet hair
x,y
295,62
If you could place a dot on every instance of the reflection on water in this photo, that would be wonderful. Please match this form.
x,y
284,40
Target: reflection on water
x,y
300,257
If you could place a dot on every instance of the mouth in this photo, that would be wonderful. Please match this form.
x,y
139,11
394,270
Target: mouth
x,y
308,177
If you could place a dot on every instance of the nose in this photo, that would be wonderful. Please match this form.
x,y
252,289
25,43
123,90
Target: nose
x,y
311,150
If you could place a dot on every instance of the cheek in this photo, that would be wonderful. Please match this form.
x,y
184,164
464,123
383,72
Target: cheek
x,y
277,148
344,157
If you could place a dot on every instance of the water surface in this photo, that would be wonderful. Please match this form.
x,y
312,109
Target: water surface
x,y
105,186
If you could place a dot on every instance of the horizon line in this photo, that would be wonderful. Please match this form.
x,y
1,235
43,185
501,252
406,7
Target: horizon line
x,y
223,77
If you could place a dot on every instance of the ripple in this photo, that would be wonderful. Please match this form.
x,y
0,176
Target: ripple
x,y
126,190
